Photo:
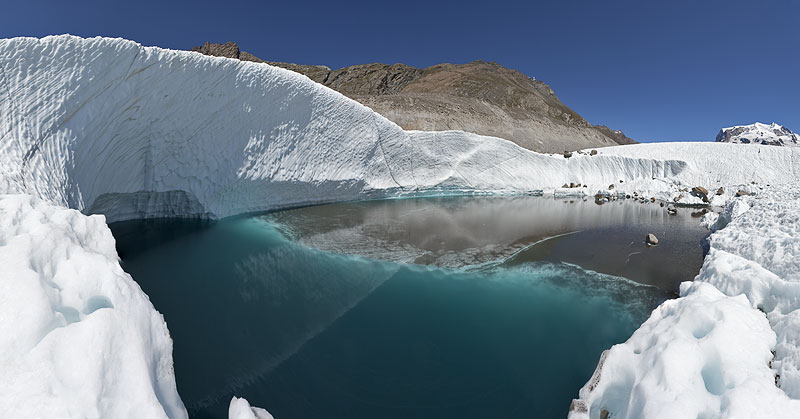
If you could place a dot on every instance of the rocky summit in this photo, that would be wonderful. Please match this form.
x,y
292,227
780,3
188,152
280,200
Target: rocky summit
x,y
481,97
758,133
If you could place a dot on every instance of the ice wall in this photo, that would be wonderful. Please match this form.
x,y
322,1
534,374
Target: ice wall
x,y
108,126
83,119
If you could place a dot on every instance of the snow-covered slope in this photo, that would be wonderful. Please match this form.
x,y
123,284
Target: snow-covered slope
x,y
759,133
106,125
78,337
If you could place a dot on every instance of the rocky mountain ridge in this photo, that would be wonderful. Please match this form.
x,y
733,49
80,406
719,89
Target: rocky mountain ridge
x,y
481,97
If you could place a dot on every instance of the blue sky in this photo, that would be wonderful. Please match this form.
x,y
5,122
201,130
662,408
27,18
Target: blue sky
x,y
673,70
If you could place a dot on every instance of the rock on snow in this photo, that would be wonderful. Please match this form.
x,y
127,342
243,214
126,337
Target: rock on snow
x,y
108,126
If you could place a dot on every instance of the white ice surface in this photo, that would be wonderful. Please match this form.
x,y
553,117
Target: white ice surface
x,y
106,125
241,409
78,337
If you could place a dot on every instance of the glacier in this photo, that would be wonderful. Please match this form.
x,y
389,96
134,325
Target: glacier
x,y
109,127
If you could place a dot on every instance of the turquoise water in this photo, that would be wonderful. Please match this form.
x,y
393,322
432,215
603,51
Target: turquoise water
x,y
307,333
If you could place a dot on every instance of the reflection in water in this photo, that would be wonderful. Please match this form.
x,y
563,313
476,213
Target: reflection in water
x,y
469,231
313,334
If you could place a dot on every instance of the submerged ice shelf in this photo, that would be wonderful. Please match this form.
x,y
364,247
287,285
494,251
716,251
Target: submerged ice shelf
x,y
478,232
108,126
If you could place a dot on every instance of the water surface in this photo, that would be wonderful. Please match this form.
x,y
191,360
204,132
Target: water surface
x,y
494,326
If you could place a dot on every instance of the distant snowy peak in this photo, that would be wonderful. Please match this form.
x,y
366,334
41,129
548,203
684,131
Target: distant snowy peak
x,y
759,133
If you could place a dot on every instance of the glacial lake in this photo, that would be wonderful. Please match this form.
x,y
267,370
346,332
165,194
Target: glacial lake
x,y
458,307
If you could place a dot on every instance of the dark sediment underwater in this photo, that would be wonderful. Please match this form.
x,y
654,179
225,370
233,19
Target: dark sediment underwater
x,y
500,321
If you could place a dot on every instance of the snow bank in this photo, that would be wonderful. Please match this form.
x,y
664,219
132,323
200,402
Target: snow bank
x,y
78,337
678,363
108,126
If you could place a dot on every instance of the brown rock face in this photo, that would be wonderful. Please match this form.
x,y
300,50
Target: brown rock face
x,y
228,50
231,50
481,97
700,192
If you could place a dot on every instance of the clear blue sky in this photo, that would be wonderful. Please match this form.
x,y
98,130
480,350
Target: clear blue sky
x,y
666,70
